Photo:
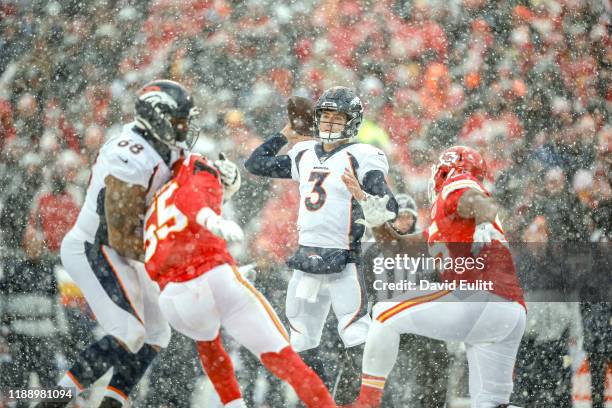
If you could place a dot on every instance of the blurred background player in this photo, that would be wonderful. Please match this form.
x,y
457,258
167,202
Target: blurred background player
x,y
463,223
326,265
103,251
186,253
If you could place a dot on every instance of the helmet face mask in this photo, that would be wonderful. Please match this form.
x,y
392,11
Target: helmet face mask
x,y
166,111
187,130
343,100
331,125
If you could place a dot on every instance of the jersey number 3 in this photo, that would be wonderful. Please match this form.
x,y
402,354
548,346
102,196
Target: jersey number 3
x,y
167,219
315,200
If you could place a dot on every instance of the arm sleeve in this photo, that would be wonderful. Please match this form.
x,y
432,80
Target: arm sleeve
x,y
264,161
371,172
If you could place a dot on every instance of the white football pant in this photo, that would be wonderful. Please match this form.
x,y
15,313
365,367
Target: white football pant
x,y
309,298
120,294
490,327
223,297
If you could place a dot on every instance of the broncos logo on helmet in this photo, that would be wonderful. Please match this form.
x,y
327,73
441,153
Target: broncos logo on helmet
x,y
166,111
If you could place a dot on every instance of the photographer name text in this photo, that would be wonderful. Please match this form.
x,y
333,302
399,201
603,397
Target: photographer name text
x,y
423,284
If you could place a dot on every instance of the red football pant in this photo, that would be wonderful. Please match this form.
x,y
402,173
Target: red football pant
x,y
219,368
289,367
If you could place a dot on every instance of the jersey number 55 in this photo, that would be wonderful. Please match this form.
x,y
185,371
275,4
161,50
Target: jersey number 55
x,y
162,218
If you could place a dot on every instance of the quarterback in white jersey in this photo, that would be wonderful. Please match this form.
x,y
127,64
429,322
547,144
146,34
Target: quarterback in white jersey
x,y
326,265
326,216
103,250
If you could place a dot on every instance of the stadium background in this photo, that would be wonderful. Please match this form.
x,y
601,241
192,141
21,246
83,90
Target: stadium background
x,y
527,82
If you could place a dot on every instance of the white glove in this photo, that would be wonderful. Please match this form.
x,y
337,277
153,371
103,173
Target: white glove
x,y
226,229
484,234
230,176
375,211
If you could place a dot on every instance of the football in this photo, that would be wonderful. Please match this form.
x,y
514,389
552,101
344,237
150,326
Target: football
x,y
301,115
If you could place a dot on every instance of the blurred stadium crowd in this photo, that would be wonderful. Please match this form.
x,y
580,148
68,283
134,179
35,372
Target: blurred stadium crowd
x,y
527,82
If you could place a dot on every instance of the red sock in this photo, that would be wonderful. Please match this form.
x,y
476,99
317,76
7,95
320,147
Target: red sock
x,y
289,367
371,392
219,368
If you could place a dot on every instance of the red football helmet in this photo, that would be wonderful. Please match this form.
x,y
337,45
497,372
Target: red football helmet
x,y
453,161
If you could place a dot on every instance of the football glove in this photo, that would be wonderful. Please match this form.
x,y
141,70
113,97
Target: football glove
x,y
484,234
229,174
375,211
226,229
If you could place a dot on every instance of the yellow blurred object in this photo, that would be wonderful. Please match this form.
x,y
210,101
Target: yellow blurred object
x,y
234,117
70,289
413,70
371,133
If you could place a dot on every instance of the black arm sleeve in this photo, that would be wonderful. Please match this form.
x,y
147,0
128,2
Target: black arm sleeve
x,y
374,183
264,161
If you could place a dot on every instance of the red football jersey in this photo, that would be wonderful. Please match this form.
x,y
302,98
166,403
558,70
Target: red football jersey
x,y
450,236
177,248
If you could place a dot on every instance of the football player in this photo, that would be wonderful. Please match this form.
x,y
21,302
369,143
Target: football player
x,y
326,263
463,223
103,252
186,253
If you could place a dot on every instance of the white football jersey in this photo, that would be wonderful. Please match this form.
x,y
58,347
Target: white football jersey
x,y
327,210
129,158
